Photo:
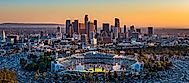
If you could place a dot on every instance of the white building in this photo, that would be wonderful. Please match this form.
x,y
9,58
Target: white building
x,y
80,67
3,36
56,66
117,67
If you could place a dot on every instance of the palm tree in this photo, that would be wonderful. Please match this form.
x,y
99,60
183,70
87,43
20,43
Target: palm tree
x,y
36,75
44,75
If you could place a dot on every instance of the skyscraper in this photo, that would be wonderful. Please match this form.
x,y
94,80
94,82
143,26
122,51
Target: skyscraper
x,y
81,28
68,28
132,30
132,27
95,25
76,26
112,32
125,29
86,19
116,32
117,23
91,31
150,31
70,33
106,27
91,27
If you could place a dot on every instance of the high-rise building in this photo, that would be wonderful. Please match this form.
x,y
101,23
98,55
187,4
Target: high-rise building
x,y
95,25
125,29
116,32
111,28
91,31
150,31
91,27
86,19
84,39
76,26
70,33
132,28
106,27
81,28
68,29
117,23
112,32
138,30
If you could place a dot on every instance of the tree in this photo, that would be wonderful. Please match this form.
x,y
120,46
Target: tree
x,y
7,76
23,62
44,75
36,76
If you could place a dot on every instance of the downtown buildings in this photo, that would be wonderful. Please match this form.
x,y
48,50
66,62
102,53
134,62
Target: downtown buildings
x,y
89,34
86,32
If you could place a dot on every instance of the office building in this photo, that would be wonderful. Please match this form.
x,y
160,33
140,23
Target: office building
x,y
95,25
116,32
125,29
84,39
68,28
91,27
132,28
106,27
150,31
81,28
86,19
76,26
112,32
91,31
117,23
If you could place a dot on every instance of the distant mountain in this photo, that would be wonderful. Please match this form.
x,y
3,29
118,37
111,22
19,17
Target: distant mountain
x,y
29,24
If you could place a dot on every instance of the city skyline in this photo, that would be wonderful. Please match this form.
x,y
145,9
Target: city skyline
x,y
169,14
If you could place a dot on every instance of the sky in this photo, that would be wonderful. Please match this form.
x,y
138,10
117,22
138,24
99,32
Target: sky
x,y
141,13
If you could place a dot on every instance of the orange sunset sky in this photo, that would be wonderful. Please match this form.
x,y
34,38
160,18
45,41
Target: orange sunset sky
x,y
142,13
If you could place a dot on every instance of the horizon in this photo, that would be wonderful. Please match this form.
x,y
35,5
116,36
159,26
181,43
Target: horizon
x,y
142,27
144,13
